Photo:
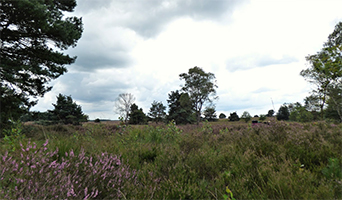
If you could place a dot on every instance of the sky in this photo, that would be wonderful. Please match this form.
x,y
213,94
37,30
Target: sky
x,y
256,50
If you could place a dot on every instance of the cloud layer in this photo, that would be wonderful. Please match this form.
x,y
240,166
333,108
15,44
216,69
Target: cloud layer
x,y
256,49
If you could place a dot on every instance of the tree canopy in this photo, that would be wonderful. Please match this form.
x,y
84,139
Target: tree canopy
x,y
137,116
325,70
283,113
210,113
157,111
66,111
33,35
200,86
180,108
246,116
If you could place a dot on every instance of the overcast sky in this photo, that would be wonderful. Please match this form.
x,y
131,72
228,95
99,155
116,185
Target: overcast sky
x,y
256,49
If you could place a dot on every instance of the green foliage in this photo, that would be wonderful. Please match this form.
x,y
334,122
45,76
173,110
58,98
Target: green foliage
x,y
222,116
200,86
137,116
13,136
66,111
157,111
285,160
270,113
262,117
334,109
300,114
180,108
33,36
210,114
325,70
283,113
246,116
333,169
234,117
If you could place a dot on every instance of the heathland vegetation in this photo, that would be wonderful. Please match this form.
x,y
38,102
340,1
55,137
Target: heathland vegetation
x,y
213,160
185,153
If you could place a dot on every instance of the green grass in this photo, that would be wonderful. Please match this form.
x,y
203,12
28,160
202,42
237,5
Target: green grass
x,y
217,160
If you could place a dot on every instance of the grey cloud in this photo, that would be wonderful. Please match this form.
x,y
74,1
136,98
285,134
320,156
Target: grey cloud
x,y
94,51
246,62
84,88
148,17
85,6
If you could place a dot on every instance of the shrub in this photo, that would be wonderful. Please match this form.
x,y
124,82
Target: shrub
x,y
39,174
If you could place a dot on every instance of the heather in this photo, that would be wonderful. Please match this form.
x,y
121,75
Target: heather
x,y
213,160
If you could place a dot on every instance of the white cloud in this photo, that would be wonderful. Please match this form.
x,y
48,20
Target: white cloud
x,y
256,50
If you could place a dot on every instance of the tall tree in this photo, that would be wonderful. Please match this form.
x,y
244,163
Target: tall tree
x,y
334,109
326,66
137,116
200,86
180,108
123,105
283,113
157,111
66,111
33,35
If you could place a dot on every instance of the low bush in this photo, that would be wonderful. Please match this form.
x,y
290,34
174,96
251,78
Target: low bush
x,y
215,160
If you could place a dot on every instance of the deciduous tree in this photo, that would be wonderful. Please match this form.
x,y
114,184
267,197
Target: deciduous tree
x,y
325,68
123,105
210,113
200,86
246,116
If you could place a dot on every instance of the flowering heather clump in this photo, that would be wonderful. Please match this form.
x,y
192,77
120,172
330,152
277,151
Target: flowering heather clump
x,y
40,174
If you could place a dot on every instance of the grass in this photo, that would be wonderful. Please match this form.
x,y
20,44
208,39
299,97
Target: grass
x,y
217,160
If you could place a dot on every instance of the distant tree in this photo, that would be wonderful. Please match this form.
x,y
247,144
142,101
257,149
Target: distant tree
x,y
66,111
200,86
137,116
262,117
97,120
270,113
33,36
123,105
157,111
256,115
246,116
233,117
210,113
222,116
180,108
299,113
283,113
37,116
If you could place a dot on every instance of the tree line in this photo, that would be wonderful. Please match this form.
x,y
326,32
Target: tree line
x,y
29,30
